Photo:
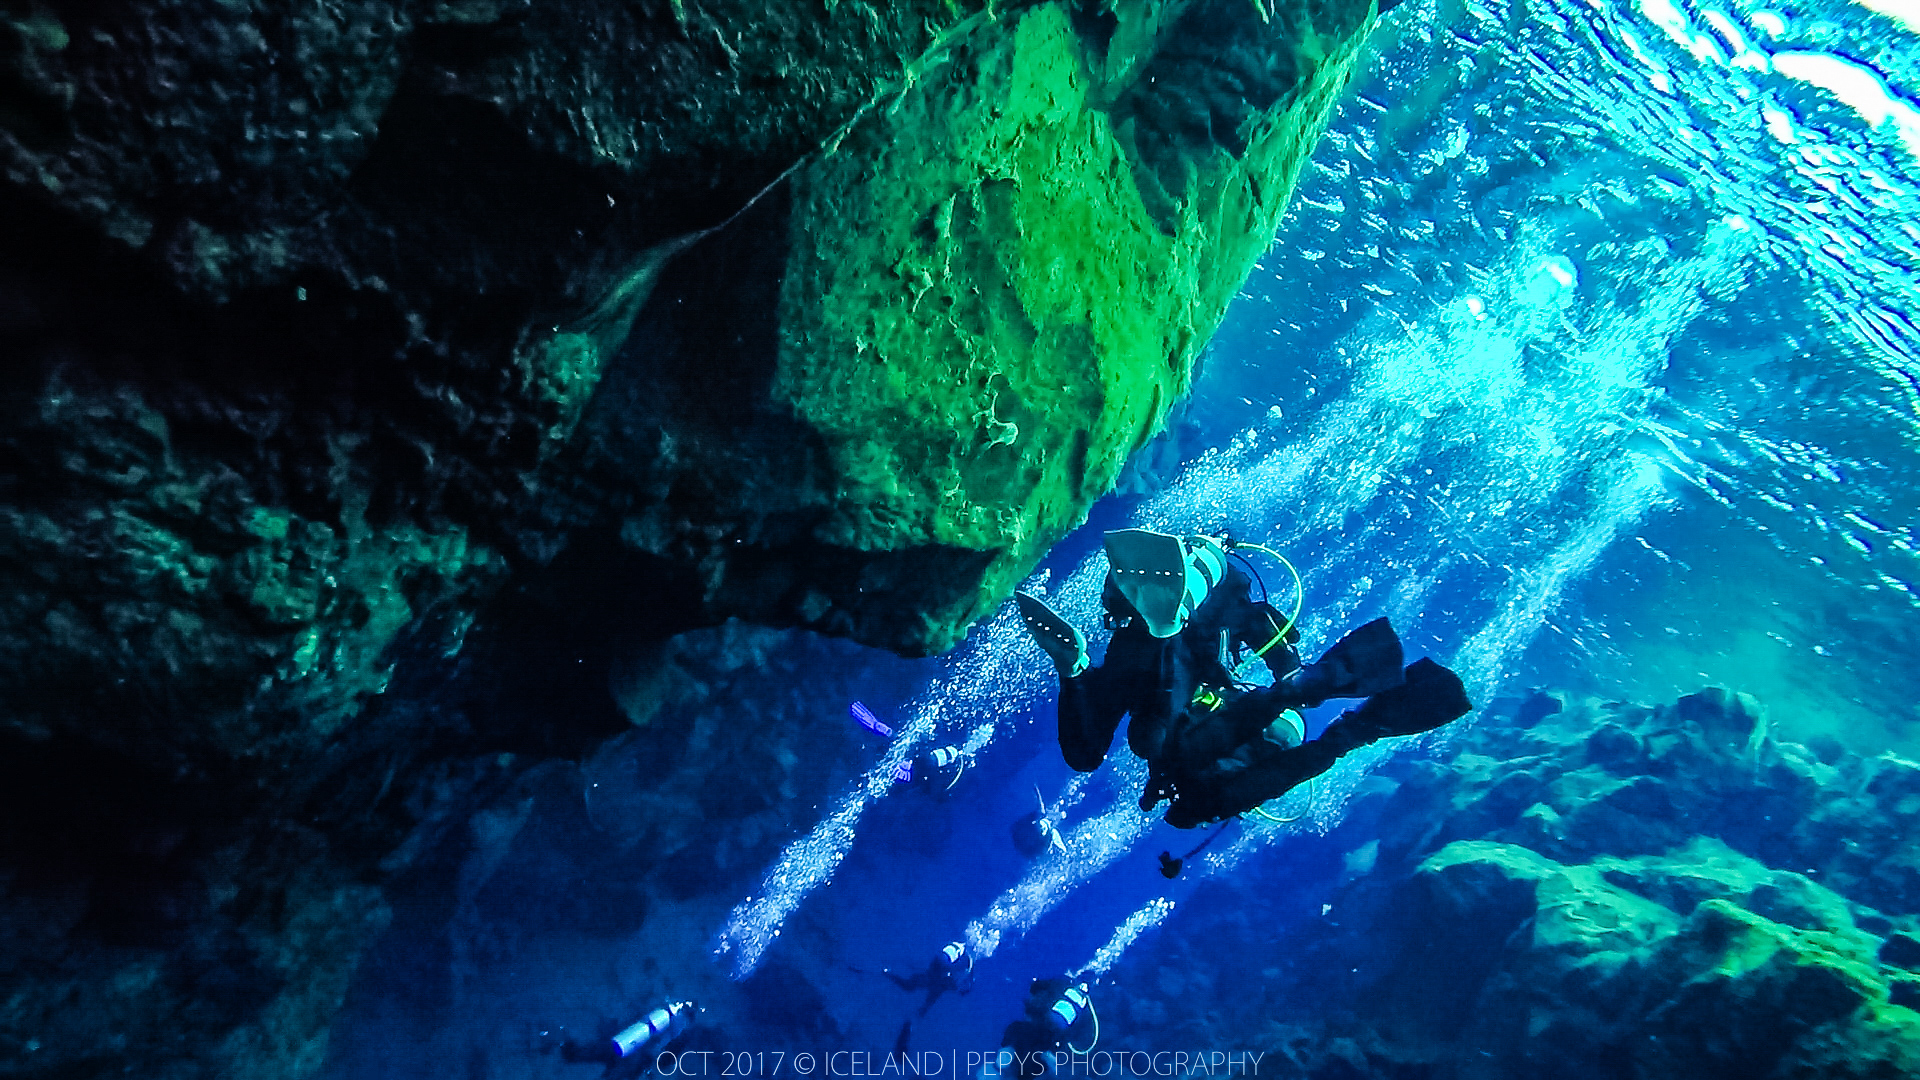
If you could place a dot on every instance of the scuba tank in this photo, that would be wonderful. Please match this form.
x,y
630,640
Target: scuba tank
x,y
947,761
655,1030
1073,1003
956,964
953,953
1054,1009
639,1042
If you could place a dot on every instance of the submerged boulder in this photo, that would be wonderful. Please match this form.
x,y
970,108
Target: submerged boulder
x,y
1599,888
814,315
1598,968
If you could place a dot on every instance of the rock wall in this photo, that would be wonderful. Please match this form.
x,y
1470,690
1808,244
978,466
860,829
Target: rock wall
x,y
331,324
381,372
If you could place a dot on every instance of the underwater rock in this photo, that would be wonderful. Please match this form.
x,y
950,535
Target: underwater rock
x,y
1553,900
1614,748
405,303
1901,950
1594,962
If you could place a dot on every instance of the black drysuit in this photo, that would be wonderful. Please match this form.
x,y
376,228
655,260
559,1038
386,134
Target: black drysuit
x,y
1221,766
1040,1031
1155,679
942,974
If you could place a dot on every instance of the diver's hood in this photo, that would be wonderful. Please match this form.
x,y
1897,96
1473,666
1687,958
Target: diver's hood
x,y
1164,578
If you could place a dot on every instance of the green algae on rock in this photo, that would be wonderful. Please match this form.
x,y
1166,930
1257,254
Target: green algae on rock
x,y
384,318
1603,889
996,292
1598,970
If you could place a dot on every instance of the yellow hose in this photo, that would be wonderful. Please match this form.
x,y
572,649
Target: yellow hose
x,y
1262,811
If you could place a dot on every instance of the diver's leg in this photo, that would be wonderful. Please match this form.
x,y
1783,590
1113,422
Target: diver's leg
x,y
1366,661
1281,772
1090,713
1428,697
1221,794
1155,683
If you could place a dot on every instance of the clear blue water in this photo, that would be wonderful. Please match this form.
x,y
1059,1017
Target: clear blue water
x,y
1589,353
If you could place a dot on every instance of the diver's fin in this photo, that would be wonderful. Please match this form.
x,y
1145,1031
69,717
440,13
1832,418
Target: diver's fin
x,y
1055,635
1362,664
1043,800
1150,570
1428,697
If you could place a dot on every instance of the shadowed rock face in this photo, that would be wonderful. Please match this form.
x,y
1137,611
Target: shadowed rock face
x,y
326,325
377,372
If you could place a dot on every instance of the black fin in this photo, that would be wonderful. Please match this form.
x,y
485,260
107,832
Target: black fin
x,y
1363,663
1430,696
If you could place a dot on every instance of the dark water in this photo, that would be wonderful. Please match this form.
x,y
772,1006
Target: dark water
x,y
1590,354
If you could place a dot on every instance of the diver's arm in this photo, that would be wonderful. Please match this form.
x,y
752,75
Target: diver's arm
x,y
1264,631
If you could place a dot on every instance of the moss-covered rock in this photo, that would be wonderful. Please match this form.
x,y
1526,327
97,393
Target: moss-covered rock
x,y
1689,987
1599,889
1000,284
396,300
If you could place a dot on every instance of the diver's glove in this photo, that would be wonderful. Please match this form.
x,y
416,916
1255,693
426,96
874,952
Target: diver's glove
x,y
1429,697
1056,636
1365,662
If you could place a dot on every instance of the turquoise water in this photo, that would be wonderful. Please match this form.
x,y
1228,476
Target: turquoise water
x,y
1638,284
1589,353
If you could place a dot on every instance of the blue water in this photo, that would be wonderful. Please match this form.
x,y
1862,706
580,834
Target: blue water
x,y
1589,353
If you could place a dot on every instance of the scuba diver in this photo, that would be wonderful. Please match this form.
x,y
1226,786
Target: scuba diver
x,y
1039,831
1059,1012
1184,625
1156,663
950,969
632,1051
936,771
